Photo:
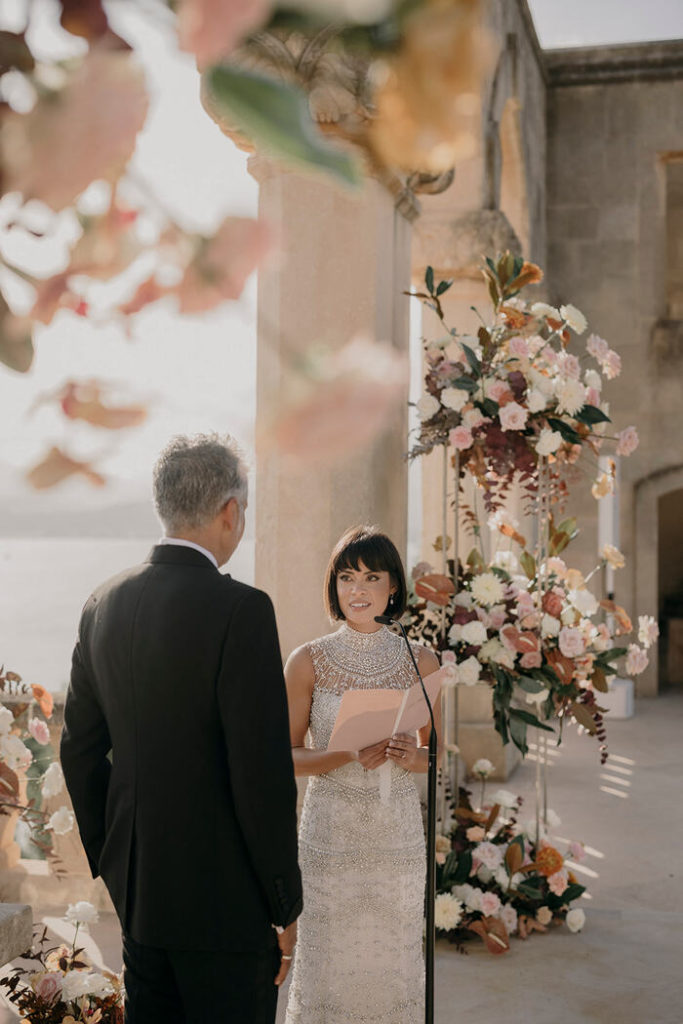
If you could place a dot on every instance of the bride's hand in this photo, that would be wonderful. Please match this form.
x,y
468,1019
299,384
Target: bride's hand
x,y
402,750
374,756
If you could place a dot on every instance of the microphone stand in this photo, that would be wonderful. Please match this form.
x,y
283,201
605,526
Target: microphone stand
x,y
386,620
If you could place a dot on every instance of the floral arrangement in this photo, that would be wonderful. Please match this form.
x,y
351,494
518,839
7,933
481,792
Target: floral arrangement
x,y
535,632
61,986
515,394
495,878
28,771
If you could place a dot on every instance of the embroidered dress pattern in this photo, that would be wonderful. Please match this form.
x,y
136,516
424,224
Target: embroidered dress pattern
x,y
359,952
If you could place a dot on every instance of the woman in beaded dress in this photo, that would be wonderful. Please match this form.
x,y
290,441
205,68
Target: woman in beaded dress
x,y
362,851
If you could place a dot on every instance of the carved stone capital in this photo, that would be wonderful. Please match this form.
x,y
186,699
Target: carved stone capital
x,y
455,247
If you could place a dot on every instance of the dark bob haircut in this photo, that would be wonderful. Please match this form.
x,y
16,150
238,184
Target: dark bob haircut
x,y
373,548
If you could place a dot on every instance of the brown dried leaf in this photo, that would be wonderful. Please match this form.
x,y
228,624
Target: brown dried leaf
x,y
16,344
583,716
493,933
435,588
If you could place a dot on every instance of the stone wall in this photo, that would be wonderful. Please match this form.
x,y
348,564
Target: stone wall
x,y
615,124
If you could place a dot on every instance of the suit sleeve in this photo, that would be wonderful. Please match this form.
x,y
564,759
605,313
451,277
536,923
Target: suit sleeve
x,y
84,748
255,719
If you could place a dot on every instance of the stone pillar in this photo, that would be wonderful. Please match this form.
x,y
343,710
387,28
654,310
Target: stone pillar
x,y
344,266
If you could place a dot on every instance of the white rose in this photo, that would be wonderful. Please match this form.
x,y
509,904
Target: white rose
x,y
463,599
550,626
491,649
504,657
53,781
454,633
81,912
6,720
548,441
508,916
427,407
468,671
484,874
536,401
576,919
482,767
454,398
100,987
75,984
473,899
517,879
584,601
501,876
61,822
473,633
568,616
447,912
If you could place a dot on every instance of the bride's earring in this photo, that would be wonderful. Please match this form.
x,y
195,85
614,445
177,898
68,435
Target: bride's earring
x,y
391,601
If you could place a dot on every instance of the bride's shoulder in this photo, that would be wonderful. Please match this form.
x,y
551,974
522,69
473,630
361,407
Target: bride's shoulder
x,y
426,658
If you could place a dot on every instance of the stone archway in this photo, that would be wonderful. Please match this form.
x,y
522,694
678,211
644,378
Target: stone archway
x,y
649,495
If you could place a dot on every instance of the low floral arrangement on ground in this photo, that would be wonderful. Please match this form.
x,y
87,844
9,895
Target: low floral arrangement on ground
x,y
60,985
29,772
514,393
495,878
535,633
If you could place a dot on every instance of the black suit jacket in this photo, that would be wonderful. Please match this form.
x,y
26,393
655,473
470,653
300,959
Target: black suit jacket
x,y
177,755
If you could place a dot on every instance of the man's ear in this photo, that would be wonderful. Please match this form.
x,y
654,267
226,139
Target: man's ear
x,y
231,513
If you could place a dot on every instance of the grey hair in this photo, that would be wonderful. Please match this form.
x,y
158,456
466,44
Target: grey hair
x,y
194,477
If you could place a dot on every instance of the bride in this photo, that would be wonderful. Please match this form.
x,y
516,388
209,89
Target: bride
x,y
362,854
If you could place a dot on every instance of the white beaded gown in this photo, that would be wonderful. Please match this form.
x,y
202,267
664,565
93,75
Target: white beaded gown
x,y
359,952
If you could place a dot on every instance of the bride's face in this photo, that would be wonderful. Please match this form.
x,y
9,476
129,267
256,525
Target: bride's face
x,y
362,594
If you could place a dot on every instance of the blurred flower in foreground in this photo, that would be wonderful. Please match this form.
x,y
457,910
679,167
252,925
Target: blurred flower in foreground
x,y
210,29
57,466
337,402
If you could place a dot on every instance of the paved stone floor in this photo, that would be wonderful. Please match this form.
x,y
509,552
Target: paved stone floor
x,y
626,967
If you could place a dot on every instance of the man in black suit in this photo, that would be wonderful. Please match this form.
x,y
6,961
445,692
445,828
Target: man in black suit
x,y
177,756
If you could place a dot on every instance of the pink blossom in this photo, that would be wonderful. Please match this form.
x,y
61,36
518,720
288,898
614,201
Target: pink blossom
x,y
549,355
490,904
577,851
525,603
39,731
530,621
48,986
448,657
461,438
597,347
612,365
498,391
532,659
222,264
571,642
627,441
603,639
513,416
210,29
636,660
518,347
593,397
570,366
475,833
558,883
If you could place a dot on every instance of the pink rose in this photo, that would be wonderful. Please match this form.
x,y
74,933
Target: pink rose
x,y
628,441
498,391
552,604
570,366
636,660
49,986
461,438
490,904
612,365
39,730
576,851
571,642
558,882
518,347
525,604
530,621
513,416
448,657
475,833
532,659
497,616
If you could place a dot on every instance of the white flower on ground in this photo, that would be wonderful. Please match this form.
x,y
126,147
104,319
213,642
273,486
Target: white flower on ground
x,y
427,407
483,768
484,874
487,588
61,822
81,913
508,916
14,753
636,660
468,671
75,984
574,318
505,798
447,912
544,915
39,730
613,556
473,633
53,781
454,398
648,630
576,919
468,894
487,853
6,720
571,396
548,441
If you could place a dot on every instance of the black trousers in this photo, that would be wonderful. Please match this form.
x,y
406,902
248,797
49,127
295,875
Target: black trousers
x,y
169,986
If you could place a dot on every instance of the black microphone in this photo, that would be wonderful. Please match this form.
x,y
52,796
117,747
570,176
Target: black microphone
x,y
430,936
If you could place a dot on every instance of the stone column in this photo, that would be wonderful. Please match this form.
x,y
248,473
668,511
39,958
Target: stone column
x,y
345,264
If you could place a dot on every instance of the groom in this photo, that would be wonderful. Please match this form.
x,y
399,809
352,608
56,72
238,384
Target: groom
x,y
177,756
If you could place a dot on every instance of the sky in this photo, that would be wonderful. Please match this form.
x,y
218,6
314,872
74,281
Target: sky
x,y
600,22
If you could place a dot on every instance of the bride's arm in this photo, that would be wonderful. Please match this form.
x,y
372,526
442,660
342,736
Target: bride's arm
x,y
300,677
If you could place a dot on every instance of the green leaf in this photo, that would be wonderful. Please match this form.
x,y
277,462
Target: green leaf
x,y
531,887
590,414
568,526
429,280
488,407
528,564
530,719
612,655
472,359
465,384
530,685
443,286
568,433
275,115
464,867
518,734
475,560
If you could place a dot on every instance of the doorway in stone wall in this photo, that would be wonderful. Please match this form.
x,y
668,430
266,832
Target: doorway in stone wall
x,y
670,588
